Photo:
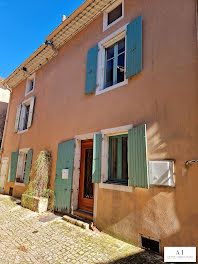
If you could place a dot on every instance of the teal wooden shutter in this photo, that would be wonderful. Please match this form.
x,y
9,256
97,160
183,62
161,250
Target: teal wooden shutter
x,y
63,187
91,72
13,166
28,166
134,48
137,157
16,127
96,170
31,112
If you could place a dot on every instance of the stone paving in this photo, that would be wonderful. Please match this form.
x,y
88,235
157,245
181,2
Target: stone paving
x,y
29,237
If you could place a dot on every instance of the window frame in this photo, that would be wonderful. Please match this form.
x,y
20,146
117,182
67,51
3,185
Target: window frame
x,y
115,64
111,180
27,102
102,46
24,151
106,133
108,10
29,79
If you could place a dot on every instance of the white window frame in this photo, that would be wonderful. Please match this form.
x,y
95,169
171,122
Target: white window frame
x,y
108,10
24,103
102,46
106,133
29,79
25,151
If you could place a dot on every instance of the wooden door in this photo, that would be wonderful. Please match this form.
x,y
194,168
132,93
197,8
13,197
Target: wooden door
x,y
86,187
63,185
4,168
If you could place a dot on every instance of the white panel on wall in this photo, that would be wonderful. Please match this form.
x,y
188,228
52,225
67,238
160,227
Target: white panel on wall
x,y
162,173
65,174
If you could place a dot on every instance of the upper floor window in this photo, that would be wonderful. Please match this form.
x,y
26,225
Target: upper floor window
x,y
111,70
115,63
24,115
113,14
30,84
115,59
23,122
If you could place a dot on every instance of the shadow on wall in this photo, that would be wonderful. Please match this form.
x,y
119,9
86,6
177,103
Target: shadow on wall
x,y
157,147
144,257
162,213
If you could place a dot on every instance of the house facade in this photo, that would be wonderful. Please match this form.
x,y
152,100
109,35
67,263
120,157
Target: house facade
x,y
112,94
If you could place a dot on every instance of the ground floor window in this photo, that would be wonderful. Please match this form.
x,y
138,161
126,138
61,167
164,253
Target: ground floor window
x,y
118,159
20,175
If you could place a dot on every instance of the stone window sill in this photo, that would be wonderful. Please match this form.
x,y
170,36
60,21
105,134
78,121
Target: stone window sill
x,y
116,187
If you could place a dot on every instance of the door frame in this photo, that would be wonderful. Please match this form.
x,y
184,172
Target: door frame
x,y
76,175
84,203
6,159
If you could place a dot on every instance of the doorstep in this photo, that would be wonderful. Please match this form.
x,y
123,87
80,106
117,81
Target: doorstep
x,y
78,221
83,214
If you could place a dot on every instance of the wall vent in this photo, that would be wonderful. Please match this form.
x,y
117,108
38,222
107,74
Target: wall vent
x,y
150,244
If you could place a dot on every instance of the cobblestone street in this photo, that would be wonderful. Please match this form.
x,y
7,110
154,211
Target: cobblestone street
x,y
28,237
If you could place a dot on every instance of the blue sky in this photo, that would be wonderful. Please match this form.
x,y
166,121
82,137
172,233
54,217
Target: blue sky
x,y
24,25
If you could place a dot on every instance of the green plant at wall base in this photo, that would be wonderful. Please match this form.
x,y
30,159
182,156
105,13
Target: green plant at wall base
x,y
40,177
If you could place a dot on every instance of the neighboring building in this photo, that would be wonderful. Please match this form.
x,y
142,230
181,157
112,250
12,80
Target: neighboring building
x,y
115,84
4,99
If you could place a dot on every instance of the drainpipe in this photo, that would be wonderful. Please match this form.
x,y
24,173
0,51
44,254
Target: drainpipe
x,y
6,86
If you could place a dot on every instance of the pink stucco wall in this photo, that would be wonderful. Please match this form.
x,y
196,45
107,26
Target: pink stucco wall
x,y
164,96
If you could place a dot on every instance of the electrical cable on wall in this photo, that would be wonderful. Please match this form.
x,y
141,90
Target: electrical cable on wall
x,y
190,162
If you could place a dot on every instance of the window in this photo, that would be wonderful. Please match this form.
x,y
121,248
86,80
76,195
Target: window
x,y
123,158
24,115
30,84
113,14
115,60
23,123
115,64
118,159
112,62
21,165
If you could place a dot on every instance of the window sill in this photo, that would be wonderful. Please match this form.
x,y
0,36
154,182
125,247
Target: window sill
x,y
105,27
125,82
19,184
116,187
22,131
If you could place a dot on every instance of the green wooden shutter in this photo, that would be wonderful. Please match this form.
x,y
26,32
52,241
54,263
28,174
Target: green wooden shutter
x,y
137,157
28,166
91,72
96,170
16,127
13,166
134,48
63,187
31,112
